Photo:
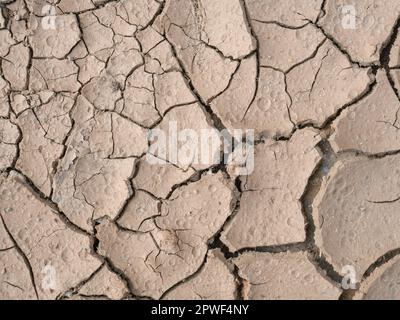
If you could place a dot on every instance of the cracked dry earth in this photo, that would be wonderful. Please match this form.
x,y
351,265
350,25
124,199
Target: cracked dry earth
x,y
83,215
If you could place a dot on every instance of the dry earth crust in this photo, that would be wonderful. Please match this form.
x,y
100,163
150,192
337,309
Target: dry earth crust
x,y
85,215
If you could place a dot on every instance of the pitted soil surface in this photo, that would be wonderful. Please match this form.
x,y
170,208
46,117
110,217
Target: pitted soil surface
x,y
85,214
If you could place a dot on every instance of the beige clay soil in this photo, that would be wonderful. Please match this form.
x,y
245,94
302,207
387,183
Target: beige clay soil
x,y
84,215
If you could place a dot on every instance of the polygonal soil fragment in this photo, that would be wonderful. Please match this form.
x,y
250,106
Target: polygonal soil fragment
x,y
171,90
209,72
255,101
6,41
323,85
208,69
395,75
103,91
214,282
291,13
104,283
97,37
139,98
15,67
125,57
55,42
75,6
53,74
137,12
106,134
92,179
283,276
158,179
270,211
139,211
359,199
22,7
150,92
198,207
109,17
149,38
59,256
160,59
2,20
9,136
175,247
78,52
6,242
22,101
373,23
283,48
128,139
394,58
4,98
15,280
383,284
91,188
43,132
89,67
18,26
222,25
152,261
184,131
231,105
379,110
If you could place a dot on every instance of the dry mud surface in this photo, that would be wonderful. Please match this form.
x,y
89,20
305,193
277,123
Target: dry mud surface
x,y
85,215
